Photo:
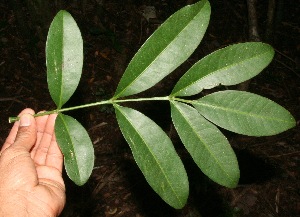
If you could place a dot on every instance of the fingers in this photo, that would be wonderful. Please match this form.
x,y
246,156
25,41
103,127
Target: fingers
x,y
55,157
47,151
41,122
39,134
13,133
46,134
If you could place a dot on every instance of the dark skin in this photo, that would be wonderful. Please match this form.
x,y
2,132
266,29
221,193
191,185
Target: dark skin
x,y
31,182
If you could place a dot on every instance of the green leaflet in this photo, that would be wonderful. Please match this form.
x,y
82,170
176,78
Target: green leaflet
x,y
64,54
76,147
245,113
208,147
169,46
228,66
155,155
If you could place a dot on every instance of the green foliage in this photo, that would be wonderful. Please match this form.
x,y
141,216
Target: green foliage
x,y
244,113
169,46
195,120
208,147
155,155
64,53
228,66
76,146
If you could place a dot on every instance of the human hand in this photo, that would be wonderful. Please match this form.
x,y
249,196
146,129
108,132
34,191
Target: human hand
x,y
31,163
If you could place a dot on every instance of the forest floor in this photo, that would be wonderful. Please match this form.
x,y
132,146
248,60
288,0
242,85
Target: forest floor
x,y
112,32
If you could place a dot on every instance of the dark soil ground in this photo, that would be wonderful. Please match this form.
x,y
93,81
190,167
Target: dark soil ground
x,y
112,32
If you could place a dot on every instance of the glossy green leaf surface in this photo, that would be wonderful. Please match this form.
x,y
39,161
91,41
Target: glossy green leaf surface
x,y
245,113
206,144
64,57
228,66
169,46
155,155
76,147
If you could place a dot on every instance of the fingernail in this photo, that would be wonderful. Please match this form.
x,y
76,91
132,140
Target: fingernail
x,y
25,120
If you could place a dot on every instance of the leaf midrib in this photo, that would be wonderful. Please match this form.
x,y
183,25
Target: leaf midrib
x,y
205,145
73,150
216,71
160,53
163,171
62,68
239,112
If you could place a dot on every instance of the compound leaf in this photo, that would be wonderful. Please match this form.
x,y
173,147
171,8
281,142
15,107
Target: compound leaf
x,y
64,57
169,46
245,113
208,147
228,66
155,155
76,147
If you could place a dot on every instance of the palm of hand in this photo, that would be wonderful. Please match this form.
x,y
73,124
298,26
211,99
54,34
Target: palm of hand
x,y
31,162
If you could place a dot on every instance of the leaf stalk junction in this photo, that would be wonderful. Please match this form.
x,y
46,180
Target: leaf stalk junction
x,y
105,102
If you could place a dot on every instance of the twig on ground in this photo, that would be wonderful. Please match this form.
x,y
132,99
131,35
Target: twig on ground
x,y
286,66
286,154
12,99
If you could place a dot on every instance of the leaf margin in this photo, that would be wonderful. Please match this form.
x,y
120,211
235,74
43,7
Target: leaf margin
x,y
79,174
239,125
196,148
63,35
201,72
184,187
121,91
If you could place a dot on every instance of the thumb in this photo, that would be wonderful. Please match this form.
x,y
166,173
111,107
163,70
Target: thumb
x,y
26,136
